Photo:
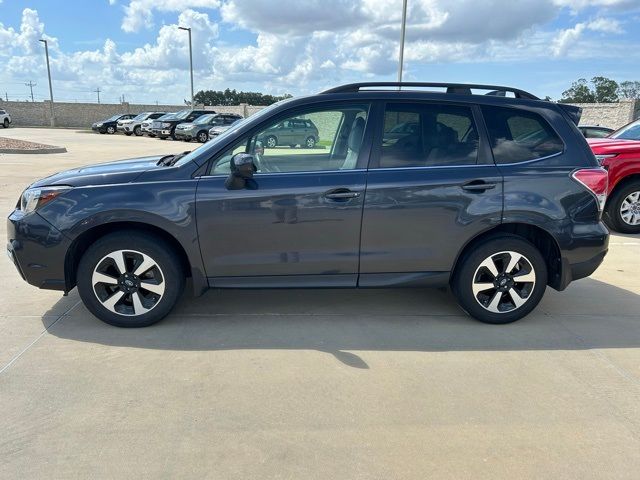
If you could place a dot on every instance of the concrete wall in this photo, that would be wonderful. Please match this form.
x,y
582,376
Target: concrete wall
x,y
82,115
612,115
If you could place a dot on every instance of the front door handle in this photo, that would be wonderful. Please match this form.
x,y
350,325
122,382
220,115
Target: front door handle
x,y
478,186
341,194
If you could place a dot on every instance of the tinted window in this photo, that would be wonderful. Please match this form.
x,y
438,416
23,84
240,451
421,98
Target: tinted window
x,y
628,132
596,133
517,135
423,135
336,146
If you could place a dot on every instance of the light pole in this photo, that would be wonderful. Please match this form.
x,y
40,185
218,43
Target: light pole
x,y
188,29
402,33
46,51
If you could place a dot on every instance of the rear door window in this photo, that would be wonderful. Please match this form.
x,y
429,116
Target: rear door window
x,y
428,135
519,135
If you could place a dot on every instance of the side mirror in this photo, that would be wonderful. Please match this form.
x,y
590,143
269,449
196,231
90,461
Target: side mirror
x,y
242,170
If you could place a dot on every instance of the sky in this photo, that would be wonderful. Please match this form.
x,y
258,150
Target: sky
x,y
134,47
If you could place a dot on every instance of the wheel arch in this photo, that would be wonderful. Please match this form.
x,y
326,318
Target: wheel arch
x,y
634,177
544,241
81,243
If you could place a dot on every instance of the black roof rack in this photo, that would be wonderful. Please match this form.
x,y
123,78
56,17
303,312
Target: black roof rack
x,y
458,88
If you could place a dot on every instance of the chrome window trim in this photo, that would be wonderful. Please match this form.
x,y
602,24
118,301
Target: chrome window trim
x,y
306,172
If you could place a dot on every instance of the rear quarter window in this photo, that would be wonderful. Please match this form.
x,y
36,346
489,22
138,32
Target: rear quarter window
x,y
519,135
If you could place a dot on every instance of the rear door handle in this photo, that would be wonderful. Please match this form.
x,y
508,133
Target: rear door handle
x,y
341,194
478,186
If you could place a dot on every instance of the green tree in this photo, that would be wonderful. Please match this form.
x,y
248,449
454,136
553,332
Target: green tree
x,y
630,90
233,97
606,90
579,92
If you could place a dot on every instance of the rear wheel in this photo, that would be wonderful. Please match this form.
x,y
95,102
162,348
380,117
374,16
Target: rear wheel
x,y
130,287
128,134
501,280
623,209
310,142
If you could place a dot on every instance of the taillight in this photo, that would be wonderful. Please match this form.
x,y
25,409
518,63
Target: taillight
x,y
596,180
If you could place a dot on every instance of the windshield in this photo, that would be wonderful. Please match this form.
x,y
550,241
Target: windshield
x,y
213,144
204,119
628,132
111,119
141,116
182,114
168,116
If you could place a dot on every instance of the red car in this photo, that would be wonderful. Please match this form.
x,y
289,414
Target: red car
x,y
622,159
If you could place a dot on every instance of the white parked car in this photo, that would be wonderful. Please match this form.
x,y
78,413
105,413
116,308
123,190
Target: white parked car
x,y
5,118
134,126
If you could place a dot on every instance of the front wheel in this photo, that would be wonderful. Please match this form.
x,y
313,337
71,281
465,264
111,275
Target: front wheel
x,y
501,280
111,130
623,209
203,137
130,286
5,124
137,131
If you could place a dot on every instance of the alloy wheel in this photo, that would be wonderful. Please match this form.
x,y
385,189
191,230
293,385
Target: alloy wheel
x,y
128,282
503,282
630,209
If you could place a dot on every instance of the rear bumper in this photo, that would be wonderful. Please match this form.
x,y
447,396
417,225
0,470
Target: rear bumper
x,y
582,261
38,250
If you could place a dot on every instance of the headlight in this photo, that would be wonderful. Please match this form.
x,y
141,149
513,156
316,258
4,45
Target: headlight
x,y
98,124
34,198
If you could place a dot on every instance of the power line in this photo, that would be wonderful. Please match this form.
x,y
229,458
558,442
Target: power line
x,y
31,85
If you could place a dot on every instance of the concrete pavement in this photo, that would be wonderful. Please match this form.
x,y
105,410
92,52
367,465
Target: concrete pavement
x,y
316,384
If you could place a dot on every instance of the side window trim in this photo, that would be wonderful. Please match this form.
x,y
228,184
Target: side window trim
x,y
363,156
530,111
484,158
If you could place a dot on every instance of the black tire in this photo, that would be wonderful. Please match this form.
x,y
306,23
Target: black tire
x,y
128,134
202,137
470,272
271,142
5,124
111,130
310,142
173,134
137,131
151,135
613,215
171,276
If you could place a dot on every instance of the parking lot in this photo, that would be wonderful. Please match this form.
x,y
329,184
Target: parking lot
x,y
326,384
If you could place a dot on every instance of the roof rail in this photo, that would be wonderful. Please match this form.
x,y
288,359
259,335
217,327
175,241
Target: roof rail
x,y
458,88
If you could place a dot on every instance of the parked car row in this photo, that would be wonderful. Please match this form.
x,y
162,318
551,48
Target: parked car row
x,y
184,125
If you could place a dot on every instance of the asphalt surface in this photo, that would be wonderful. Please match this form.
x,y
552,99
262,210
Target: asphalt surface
x,y
314,384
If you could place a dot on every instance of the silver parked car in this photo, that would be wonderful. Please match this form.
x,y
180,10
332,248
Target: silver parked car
x,y
134,126
218,129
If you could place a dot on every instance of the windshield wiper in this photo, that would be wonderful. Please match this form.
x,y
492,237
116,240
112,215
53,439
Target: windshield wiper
x,y
169,160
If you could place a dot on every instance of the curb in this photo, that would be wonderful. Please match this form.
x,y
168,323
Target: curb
x,y
40,151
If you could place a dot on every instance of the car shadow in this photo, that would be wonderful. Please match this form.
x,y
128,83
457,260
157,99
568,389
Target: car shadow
x,y
589,315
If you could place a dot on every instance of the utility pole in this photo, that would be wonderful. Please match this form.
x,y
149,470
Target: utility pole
x,y
188,29
31,85
6,96
97,90
46,51
402,34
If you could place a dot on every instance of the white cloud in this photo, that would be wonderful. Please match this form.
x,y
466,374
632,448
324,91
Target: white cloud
x,y
138,14
605,25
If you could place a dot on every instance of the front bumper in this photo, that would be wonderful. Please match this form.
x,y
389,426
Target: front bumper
x,y
182,134
38,250
98,129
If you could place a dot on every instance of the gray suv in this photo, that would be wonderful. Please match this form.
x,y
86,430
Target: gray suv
x,y
292,132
